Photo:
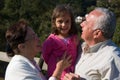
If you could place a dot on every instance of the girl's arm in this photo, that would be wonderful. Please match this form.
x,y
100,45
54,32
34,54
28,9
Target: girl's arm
x,y
60,66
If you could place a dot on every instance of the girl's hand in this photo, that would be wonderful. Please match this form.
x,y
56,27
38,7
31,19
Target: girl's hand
x,y
62,64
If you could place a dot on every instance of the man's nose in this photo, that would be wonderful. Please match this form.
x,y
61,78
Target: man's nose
x,y
82,24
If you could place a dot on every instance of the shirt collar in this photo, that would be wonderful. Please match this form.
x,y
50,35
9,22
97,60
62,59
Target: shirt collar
x,y
95,48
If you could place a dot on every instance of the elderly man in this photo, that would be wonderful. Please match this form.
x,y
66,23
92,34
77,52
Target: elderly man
x,y
100,57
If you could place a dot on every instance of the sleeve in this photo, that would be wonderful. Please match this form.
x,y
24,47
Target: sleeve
x,y
47,49
52,78
24,71
111,70
112,73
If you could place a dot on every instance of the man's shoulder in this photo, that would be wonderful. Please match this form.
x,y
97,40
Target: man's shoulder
x,y
112,46
112,49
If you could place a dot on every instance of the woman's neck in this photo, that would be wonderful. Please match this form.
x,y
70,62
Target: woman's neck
x,y
28,56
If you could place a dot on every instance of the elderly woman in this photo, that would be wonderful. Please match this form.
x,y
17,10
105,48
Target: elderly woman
x,y
23,46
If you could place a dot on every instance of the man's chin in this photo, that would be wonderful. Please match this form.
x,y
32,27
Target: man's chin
x,y
82,36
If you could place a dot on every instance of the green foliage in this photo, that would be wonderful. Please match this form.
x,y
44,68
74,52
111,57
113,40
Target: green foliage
x,y
38,14
1,4
116,37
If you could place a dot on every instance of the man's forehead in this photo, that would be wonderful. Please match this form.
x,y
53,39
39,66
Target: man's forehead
x,y
89,17
96,13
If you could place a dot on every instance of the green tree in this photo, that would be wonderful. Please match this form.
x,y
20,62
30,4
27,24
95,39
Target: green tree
x,y
38,13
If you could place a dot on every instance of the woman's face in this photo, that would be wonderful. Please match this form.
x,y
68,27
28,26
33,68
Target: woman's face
x,y
32,42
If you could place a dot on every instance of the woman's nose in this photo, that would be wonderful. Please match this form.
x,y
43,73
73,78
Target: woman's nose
x,y
37,38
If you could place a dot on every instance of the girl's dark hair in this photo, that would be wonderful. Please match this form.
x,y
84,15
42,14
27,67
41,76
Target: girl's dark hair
x,y
15,35
59,11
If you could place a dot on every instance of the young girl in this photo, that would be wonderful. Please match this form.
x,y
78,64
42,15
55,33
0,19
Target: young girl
x,y
64,39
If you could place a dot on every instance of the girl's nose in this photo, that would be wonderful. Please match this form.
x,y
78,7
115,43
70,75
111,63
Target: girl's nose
x,y
63,24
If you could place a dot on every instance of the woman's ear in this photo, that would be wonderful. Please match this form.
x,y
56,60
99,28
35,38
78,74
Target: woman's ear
x,y
21,46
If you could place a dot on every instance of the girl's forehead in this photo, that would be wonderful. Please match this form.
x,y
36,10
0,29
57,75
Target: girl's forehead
x,y
63,13
64,17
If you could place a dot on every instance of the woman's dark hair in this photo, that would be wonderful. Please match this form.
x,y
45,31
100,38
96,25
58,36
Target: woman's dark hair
x,y
59,11
15,35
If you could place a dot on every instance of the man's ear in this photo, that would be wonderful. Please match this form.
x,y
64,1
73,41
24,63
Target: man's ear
x,y
97,33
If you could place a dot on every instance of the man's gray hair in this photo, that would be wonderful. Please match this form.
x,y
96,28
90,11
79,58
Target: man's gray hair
x,y
106,22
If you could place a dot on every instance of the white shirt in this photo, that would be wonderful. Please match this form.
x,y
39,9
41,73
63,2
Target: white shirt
x,y
20,68
99,62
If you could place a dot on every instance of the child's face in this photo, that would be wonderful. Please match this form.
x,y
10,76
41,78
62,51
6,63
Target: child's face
x,y
63,24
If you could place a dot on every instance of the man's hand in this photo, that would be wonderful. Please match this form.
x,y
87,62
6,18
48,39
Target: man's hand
x,y
71,76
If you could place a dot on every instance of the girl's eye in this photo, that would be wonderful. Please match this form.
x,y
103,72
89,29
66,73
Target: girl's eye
x,y
67,21
60,21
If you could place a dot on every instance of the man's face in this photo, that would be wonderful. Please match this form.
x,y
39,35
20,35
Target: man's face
x,y
88,25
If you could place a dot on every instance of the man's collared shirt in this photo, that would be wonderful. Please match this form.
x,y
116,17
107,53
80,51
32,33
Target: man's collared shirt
x,y
99,62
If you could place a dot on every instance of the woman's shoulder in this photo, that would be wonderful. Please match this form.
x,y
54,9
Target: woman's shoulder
x,y
19,61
